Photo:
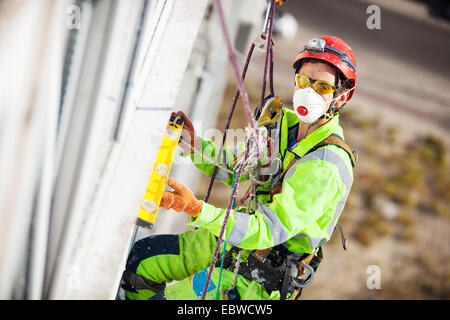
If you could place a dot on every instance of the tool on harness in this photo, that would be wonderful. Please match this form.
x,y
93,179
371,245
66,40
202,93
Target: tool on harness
x,y
233,293
160,173
295,278
276,269
262,171
305,262
271,111
267,271
301,274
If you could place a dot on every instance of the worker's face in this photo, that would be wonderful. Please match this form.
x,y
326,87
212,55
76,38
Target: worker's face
x,y
321,71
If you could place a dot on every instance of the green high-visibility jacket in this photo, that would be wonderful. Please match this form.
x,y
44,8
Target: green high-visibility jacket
x,y
314,191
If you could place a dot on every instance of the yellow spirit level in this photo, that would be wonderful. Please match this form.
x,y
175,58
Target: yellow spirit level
x,y
160,173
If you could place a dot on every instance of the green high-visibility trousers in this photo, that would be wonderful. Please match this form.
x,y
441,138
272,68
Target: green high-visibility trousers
x,y
185,258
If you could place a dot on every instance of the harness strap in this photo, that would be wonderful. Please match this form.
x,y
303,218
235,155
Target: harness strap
x,y
337,141
271,267
332,139
268,272
343,240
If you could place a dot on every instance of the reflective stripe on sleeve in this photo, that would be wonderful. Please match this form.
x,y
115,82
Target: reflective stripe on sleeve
x,y
242,221
240,228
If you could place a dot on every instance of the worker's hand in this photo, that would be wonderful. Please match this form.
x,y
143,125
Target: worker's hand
x,y
181,199
188,133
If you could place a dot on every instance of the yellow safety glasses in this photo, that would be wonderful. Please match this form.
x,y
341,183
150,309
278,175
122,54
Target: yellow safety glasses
x,y
320,86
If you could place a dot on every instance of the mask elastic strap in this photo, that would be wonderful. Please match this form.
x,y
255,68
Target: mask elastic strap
x,y
331,108
353,88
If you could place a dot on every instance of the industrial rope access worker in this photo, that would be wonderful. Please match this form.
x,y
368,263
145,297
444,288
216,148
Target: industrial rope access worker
x,y
292,216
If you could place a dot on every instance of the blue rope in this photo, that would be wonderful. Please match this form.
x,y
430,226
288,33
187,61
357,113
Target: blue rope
x,y
221,268
225,244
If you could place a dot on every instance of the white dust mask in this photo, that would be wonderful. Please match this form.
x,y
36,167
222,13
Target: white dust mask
x,y
308,104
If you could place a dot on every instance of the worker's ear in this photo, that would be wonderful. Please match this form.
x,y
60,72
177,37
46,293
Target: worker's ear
x,y
342,99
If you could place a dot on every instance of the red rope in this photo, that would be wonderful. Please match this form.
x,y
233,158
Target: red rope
x,y
233,59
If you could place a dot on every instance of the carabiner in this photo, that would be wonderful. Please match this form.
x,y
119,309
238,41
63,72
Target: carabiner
x,y
308,281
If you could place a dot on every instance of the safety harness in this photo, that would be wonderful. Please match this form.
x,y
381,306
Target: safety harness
x,y
277,268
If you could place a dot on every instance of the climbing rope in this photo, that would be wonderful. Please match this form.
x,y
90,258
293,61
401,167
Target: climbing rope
x,y
233,59
225,244
266,32
253,142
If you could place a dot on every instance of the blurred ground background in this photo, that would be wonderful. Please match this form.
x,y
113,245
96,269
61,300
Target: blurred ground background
x,y
397,215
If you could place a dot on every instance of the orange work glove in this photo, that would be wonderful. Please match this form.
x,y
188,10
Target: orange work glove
x,y
181,199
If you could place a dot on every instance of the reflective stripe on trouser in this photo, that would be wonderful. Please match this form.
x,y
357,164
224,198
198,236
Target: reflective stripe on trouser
x,y
185,258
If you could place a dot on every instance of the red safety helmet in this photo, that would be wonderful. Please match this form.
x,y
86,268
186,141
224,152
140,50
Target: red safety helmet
x,y
334,51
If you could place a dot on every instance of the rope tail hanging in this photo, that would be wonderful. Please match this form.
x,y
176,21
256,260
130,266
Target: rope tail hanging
x,y
241,91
